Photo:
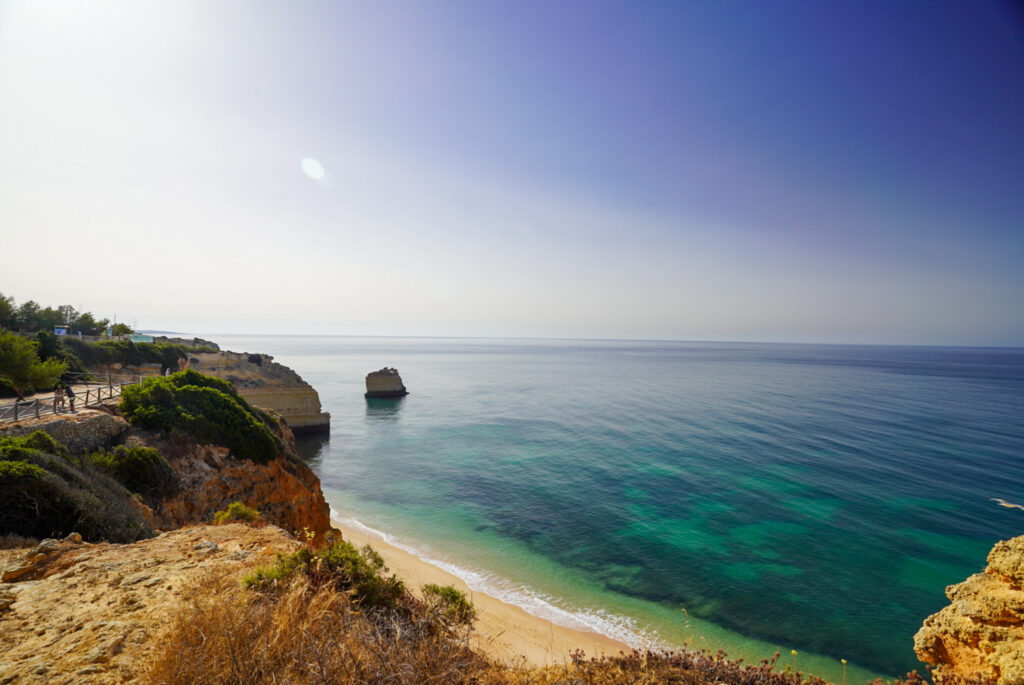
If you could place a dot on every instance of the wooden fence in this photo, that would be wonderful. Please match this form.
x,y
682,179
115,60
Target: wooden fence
x,y
88,392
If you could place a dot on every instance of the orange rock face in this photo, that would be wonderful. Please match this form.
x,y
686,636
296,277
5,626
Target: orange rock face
x,y
285,491
982,630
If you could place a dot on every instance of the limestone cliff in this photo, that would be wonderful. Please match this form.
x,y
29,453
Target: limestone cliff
x,y
74,612
257,377
268,385
982,630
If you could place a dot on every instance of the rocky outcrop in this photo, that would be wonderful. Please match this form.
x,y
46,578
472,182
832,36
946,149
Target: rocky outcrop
x,y
85,431
982,630
267,385
385,383
284,490
88,613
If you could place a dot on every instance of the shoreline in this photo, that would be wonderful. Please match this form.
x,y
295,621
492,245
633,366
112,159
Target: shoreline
x,y
502,631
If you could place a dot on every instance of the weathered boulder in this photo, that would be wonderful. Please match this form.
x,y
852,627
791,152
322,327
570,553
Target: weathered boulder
x,y
982,630
86,431
385,383
34,563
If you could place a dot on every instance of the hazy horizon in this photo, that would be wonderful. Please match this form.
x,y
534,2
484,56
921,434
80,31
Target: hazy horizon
x,y
587,170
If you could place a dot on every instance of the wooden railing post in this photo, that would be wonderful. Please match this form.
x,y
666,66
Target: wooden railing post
x,y
37,409
15,410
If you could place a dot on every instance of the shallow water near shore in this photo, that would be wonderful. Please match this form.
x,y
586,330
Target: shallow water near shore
x,y
756,498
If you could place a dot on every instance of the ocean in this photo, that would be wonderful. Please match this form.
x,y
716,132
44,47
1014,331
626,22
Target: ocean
x,y
749,497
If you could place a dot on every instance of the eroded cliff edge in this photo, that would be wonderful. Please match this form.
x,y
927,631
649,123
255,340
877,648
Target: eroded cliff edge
x,y
982,630
257,377
268,385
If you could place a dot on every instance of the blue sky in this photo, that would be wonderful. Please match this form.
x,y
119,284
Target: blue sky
x,y
730,170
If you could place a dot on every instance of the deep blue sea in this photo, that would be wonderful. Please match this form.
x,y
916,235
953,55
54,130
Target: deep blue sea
x,y
753,497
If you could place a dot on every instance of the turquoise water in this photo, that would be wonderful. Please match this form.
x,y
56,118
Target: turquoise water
x,y
753,497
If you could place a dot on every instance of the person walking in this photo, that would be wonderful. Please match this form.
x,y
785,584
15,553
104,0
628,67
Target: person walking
x,y
70,392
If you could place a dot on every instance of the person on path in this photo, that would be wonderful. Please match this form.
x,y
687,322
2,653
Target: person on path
x,y
58,399
69,391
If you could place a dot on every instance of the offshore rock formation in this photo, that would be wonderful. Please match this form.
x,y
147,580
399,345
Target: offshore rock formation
x,y
385,383
268,385
982,630
89,613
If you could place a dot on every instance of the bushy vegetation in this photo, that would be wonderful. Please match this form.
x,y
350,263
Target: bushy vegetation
x,y
140,469
21,368
45,492
236,511
207,408
359,573
450,603
125,352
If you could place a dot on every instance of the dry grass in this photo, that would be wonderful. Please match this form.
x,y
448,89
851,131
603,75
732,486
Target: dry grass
x,y
13,541
303,634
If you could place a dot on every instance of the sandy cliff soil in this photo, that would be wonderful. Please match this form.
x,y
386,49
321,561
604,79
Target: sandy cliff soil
x,y
73,612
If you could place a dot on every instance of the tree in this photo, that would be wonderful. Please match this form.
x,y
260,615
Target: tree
x,y
28,314
8,313
47,345
87,325
47,318
121,329
67,313
21,368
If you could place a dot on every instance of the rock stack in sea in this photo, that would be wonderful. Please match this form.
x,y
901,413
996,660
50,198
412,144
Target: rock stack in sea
x,y
982,630
385,383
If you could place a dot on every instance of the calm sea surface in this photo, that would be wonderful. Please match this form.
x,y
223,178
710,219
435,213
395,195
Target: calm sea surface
x,y
747,496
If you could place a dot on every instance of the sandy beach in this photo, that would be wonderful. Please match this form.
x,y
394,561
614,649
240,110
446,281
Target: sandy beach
x,y
503,631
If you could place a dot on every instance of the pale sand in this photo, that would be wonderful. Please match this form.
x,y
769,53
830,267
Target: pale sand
x,y
503,631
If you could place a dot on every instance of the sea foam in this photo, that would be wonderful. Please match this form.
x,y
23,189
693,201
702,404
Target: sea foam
x,y
594,620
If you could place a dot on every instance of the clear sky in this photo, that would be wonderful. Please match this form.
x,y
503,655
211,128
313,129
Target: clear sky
x,y
785,171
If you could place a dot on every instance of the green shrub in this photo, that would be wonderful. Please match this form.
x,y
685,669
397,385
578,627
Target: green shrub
x,y
204,407
450,603
340,565
44,493
40,440
10,471
131,354
140,469
236,511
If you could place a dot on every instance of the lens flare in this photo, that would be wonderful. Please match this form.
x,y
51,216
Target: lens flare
x,y
313,168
